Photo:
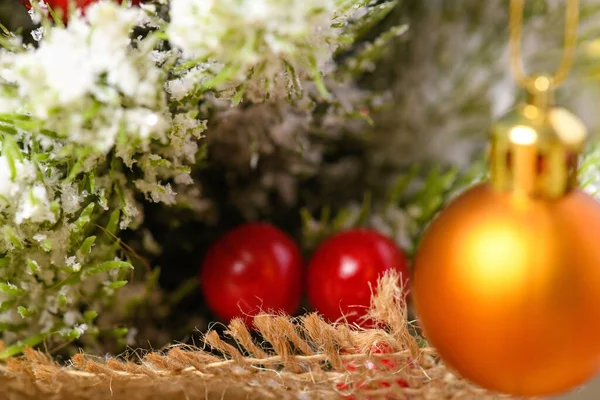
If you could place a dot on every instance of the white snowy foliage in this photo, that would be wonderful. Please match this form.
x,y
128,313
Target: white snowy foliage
x,y
258,42
97,117
78,79
81,110
23,198
262,29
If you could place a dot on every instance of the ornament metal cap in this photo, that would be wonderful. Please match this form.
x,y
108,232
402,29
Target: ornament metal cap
x,y
535,146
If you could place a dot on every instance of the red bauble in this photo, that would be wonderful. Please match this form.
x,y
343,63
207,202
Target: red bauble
x,y
341,269
63,5
251,268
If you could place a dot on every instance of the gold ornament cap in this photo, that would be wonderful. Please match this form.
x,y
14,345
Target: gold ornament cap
x,y
535,147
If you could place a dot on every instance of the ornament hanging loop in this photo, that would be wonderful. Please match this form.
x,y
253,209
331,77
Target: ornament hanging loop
x,y
534,147
515,38
541,95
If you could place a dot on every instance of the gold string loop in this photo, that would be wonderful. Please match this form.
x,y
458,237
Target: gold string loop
x,y
532,83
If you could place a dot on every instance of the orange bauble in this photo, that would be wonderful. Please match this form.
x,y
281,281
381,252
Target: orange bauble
x,y
507,288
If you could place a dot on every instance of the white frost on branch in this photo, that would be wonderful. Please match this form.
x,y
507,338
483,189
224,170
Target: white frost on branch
x,y
261,28
98,115
259,41
80,77
86,127
22,197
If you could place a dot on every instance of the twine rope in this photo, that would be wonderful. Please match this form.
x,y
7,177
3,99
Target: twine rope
x,y
307,358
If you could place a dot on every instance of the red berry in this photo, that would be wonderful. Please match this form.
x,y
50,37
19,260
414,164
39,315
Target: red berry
x,y
251,268
62,6
341,269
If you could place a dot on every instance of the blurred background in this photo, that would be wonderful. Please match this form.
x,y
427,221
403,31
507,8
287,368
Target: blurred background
x,y
447,42
13,15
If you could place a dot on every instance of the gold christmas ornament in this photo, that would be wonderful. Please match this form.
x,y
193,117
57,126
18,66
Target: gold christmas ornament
x,y
507,290
506,281
534,148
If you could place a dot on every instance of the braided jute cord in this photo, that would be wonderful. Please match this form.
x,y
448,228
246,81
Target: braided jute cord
x,y
305,358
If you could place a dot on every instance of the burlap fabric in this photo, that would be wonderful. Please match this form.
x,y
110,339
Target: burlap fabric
x,y
302,358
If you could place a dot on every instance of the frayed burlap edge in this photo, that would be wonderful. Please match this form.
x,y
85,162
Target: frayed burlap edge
x,y
302,358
